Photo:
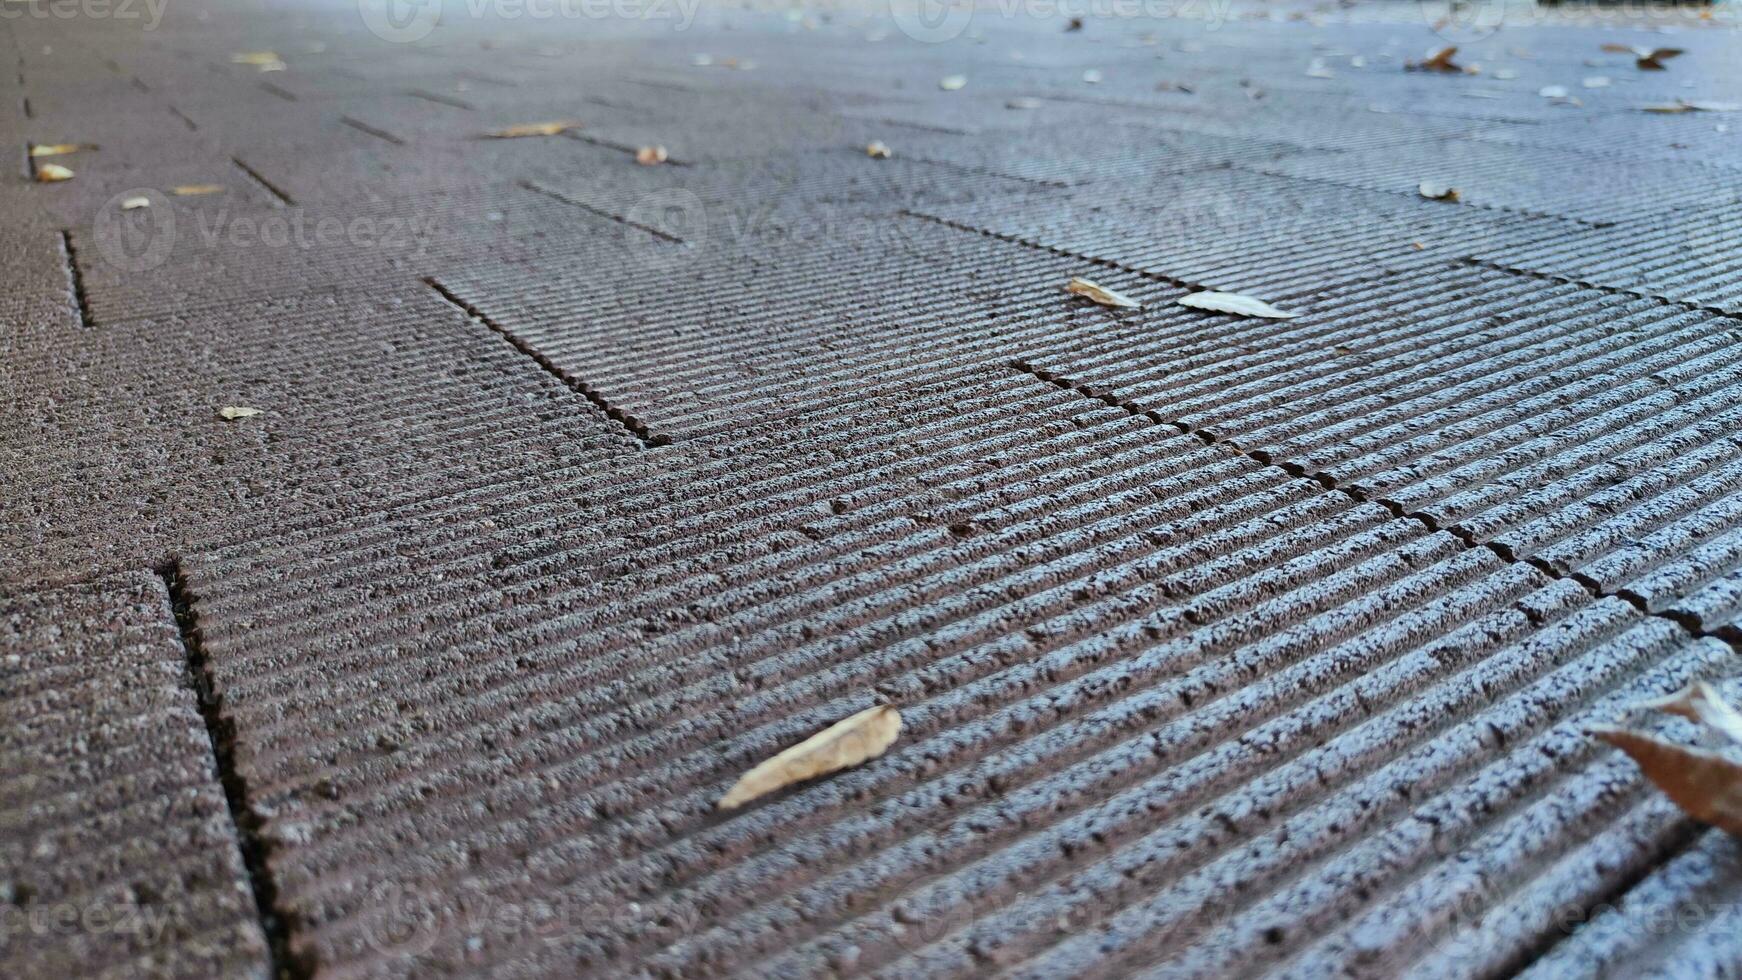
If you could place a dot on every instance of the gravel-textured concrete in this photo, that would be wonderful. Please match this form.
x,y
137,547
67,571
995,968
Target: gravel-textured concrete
x,y
1224,647
118,856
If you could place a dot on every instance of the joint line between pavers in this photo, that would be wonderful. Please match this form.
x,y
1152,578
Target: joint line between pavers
x,y
281,197
1329,483
221,733
80,300
363,127
528,185
636,427
1501,208
1595,286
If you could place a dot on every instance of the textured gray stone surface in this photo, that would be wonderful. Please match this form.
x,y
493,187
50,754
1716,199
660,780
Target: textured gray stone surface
x,y
117,854
1224,647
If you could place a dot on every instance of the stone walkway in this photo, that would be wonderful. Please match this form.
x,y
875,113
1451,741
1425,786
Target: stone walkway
x,y
412,534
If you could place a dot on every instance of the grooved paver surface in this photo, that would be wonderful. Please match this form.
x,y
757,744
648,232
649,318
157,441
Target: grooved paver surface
x,y
118,856
412,533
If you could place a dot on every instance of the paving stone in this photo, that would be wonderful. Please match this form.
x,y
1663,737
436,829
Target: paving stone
x,y
202,260
1518,178
1224,648
1566,425
704,346
1678,922
118,857
1252,233
121,458
1687,255
1205,717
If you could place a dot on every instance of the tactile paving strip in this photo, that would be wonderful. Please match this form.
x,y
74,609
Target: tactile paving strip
x,y
118,857
1680,921
1123,152
1245,232
756,327
1160,703
120,459
1595,432
1688,255
1527,179
237,255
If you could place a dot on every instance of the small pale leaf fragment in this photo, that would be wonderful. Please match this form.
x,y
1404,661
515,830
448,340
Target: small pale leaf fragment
x,y
238,412
1092,76
57,149
877,150
1236,304
50,173
650,156
135,203
255,58
533,129
1552,91
1705,784
1101,294
951,83
850,742
196,190
1437,192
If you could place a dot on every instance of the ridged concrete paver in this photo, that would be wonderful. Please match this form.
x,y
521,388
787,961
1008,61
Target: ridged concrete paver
x,y
362,399
1248,232
1591,431
118,857
1687,255
1224,647
1157,692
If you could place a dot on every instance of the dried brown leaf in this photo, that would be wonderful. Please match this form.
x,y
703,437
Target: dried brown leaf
x,y
1234,303
650,156
849,742
1613,48
1652,59
1437,192
1440,60
1101,294
238,412
1703,783
533,129
1701,702
877,150
196,190
52,173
